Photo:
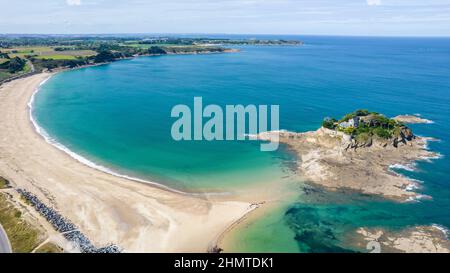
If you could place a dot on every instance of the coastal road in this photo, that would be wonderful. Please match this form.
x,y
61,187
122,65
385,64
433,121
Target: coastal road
x,y
5,246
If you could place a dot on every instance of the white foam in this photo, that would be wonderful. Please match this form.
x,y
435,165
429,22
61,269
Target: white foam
x,y
407,167
418,197
414,184
267,133
431,158
441,228
412,187
41,131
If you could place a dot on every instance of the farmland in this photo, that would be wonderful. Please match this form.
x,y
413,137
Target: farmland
x,y
29,53
56,53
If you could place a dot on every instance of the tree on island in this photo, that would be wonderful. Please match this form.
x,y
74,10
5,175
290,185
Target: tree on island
x,y
363,125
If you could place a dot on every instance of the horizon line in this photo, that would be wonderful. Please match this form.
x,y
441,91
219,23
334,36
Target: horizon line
x,y
212,33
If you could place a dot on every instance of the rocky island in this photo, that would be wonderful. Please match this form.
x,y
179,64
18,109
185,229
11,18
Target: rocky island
x,y
419,239
357,153
411,119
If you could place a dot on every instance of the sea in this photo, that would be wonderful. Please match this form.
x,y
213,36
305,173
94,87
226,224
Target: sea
x,y
117,117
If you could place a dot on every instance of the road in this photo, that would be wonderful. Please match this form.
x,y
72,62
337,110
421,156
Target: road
x,y
5,246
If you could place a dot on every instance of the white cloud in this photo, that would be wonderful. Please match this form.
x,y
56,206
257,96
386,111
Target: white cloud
x,y
373,2
73,2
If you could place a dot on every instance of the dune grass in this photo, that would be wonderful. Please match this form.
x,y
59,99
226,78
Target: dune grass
x,y
4,183
22,235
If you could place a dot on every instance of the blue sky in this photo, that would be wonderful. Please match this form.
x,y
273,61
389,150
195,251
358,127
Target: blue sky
x,y
335,17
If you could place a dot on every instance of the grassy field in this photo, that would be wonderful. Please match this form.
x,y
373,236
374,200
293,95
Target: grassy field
x,y
4,75
3,60
25,49
143,46
57,57
22,51
48,53
23,236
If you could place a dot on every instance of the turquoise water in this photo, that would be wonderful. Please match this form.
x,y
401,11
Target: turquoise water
x,y
118,115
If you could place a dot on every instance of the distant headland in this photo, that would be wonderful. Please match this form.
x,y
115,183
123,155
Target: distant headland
x,y
26,55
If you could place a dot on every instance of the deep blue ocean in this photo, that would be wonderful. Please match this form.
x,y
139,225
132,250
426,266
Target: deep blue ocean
x,y
118,116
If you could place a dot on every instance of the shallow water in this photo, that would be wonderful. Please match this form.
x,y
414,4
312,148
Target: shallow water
x,y
118,115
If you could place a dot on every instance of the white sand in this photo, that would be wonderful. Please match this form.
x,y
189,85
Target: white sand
x,y
108,209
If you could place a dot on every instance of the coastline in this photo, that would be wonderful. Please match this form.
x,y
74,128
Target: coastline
x,y
254,214
108,209
41,131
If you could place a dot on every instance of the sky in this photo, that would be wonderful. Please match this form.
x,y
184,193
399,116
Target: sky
x,y
319,17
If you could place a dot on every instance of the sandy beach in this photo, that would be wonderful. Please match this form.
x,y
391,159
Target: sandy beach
x,y
108,209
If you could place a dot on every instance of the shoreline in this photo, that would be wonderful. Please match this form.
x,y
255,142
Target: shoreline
x,y
218,243
215,241
111,209
41,131
85,161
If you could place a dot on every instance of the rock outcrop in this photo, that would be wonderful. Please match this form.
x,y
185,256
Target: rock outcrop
x,y
336,160
411,119
420,239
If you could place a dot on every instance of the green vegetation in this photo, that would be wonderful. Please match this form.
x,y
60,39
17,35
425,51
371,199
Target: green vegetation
x,y
381,132
16,64
156,50
13,65
48,52
4,75
22,235
22,52
362,125
362,137
347,117
4,55
57,57
4,183
49,248
329,123
105,56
